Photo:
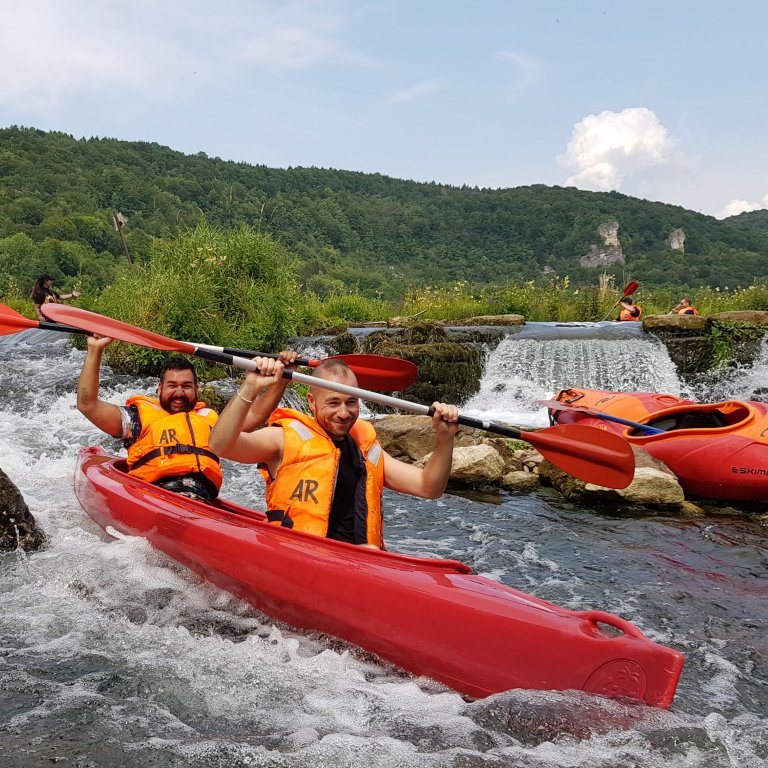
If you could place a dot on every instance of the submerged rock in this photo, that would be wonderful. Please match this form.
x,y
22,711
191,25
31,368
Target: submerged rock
x,y
18,529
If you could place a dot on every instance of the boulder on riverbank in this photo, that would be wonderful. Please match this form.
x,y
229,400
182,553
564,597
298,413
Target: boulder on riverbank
x,y
479,459
654,485
18,529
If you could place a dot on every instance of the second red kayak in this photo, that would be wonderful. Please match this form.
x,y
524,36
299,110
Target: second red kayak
x,y
716,450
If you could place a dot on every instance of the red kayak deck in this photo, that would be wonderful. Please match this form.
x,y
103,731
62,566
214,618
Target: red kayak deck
x,y
716,450
433,618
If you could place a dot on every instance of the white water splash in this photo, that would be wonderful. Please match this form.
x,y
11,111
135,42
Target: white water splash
x,y
521,371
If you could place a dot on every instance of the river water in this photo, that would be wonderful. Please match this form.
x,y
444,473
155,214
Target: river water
x,y
113,655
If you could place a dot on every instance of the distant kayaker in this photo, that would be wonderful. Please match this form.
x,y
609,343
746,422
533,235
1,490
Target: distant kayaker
x,y
629,310
325,473
684,307
166,436
43,293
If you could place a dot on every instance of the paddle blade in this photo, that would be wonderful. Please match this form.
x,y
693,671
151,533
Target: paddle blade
x,y
12,321
388,374
593,455
377,372
115,329
631,288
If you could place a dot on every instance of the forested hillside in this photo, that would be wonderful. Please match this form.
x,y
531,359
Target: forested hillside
x,y
58,195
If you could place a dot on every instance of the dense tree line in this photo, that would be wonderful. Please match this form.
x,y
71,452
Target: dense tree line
x,y
58,195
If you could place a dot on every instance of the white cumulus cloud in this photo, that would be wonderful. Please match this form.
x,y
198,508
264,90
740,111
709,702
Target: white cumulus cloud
x,y
737,206
610,148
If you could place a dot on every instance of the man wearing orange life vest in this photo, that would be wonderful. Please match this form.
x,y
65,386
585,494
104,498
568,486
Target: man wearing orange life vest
x,y
684,307
325,473
629,310
167,436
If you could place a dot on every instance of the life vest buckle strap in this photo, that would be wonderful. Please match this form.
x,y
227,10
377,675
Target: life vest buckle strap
x,y
278,515
169,450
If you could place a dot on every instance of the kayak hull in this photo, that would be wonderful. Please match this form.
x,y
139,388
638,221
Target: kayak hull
x,y
433,618
723,454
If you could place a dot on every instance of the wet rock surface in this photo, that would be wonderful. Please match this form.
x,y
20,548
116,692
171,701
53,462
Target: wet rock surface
x,y
18,529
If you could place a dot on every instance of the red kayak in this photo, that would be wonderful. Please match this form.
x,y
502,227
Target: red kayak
x,y
716,450
433,618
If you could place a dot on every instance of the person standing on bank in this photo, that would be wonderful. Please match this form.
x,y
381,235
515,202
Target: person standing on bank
x,y
44,293
325,473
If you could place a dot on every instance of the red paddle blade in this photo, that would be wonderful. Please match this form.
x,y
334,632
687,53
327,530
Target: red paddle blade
x,y
377,372
631,288
12,321
593,455
115,329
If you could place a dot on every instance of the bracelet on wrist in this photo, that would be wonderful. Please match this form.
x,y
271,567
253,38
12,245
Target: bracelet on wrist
x,y
245,399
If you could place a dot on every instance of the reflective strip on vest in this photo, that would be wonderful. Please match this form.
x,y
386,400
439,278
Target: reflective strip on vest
x,y
301,430
375,454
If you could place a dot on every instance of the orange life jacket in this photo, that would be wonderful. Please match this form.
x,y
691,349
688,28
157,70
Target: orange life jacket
x,y
627,314
688,311
301,495
173,444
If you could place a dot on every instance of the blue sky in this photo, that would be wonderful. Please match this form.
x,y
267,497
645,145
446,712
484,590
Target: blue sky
x,y
660,100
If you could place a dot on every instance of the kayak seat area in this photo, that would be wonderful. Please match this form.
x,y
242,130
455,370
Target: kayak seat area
x,y
691,420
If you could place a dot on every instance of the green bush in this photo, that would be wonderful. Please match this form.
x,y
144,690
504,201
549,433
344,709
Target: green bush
x,y
230,289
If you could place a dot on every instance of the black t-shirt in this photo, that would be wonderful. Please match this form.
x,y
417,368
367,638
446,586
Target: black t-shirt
x,y
341,524
45,296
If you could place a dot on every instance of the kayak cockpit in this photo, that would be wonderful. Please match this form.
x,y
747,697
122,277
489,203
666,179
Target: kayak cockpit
x,y
723,417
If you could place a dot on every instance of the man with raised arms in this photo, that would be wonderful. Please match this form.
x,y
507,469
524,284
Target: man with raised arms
x,y
325,473
167,436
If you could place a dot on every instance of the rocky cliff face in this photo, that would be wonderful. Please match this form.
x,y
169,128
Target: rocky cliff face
x,y
676,240
607,254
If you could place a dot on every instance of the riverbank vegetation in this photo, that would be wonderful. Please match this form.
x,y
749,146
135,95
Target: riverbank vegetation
x,y
247,256
346,230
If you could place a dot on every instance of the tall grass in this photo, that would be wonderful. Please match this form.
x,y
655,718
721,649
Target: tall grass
x,y
235,288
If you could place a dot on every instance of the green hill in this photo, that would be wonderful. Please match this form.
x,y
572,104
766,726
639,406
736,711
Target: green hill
x,y
753,220
58,195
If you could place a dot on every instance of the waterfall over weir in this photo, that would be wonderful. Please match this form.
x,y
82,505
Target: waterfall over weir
x,y
544,358
536,360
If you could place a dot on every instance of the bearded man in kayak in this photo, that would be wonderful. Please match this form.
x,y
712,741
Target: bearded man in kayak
x,y
325,473
167,436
